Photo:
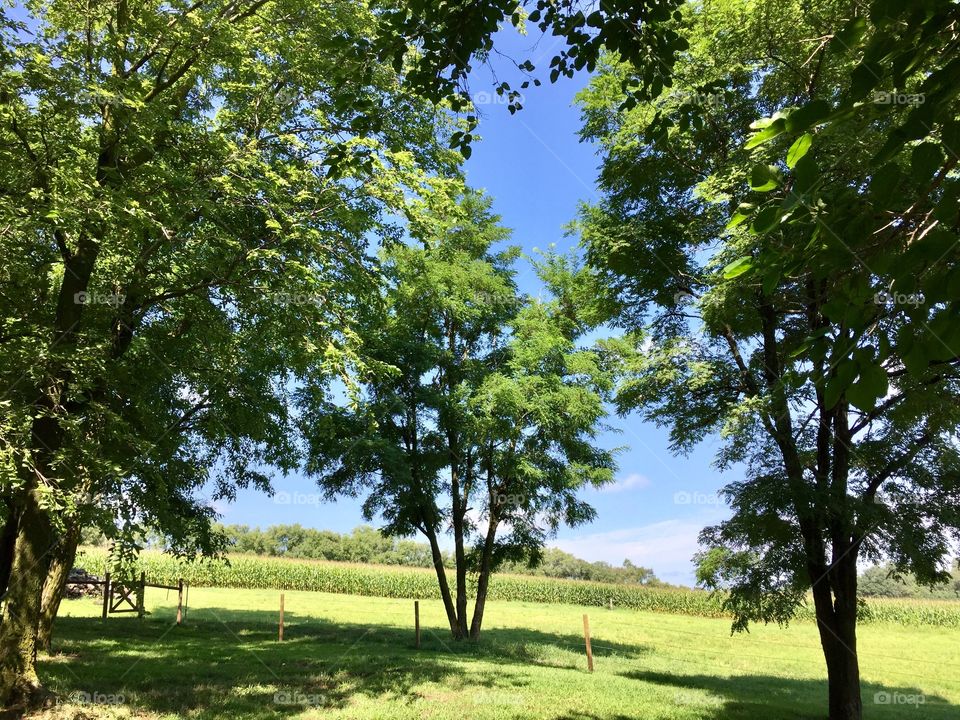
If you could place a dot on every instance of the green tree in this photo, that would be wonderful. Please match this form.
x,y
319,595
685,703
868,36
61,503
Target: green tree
x,y
559,564
478,411
790,283
439,44
183,224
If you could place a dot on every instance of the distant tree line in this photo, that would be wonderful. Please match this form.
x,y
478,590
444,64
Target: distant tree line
x,y
365,544
559,564
880,581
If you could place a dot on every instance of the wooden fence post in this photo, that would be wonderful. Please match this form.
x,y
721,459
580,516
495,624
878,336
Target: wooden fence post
x,y
281,618
610,602
586,637
106,595
180,602
416,620
140,595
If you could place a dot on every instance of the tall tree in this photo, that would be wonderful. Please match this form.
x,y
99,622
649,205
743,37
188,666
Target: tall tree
x,y
478,415
816,328
186,191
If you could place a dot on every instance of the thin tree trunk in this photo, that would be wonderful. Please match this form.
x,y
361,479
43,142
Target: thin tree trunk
x,y
56,584
19,684
483,580
458,506
444,585
461,575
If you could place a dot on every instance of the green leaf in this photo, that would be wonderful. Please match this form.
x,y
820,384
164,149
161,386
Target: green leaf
x,y
798,149
737,268
764,178
771,131
883,184
805,174
738,219
869,387
850,34
925,161
770,281
740,215
950,136
844,373
767,219
807,116
949,204
864,78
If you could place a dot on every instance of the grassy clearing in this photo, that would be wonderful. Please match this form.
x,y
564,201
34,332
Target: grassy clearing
x,y
257,572
353,657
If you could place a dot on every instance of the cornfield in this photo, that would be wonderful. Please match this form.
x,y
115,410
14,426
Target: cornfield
x,y
258,572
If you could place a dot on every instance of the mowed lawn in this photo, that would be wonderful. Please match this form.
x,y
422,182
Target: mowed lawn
x,y
354,657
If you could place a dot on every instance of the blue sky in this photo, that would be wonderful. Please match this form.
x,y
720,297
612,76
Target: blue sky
x,y
537,172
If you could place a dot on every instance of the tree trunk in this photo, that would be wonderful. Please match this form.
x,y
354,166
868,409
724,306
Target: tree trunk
x,y
461,576
843,677
56,583
444,585
483,581
19,684
837,623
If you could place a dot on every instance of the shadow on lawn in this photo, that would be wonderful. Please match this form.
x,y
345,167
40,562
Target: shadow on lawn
x,y
226,663
744,697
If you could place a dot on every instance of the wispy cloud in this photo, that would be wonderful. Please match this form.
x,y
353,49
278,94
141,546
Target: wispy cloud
x,y
632,481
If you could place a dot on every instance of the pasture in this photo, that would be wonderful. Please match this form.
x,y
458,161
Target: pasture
x,y
346,656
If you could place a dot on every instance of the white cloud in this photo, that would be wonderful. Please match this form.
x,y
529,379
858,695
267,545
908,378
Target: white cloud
x,y
630,482
667,547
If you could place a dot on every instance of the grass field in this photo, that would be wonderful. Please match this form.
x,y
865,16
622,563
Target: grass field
x,y
353,657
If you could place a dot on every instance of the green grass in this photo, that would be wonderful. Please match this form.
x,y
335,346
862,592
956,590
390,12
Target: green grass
x,y
257,572
354,657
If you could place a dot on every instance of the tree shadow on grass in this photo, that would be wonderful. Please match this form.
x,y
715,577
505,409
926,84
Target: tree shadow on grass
x,y
227,663
746,697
